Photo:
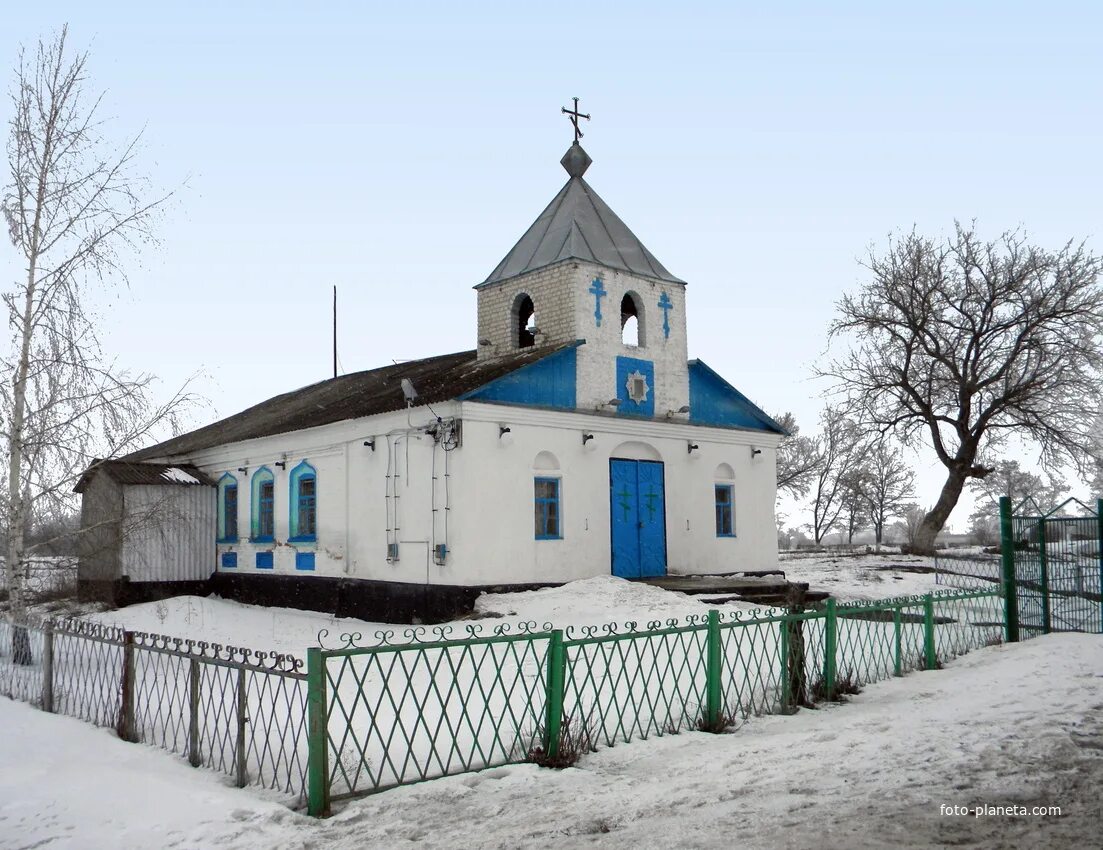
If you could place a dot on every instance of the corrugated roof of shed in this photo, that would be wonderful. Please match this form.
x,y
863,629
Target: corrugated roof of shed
x,y
136,473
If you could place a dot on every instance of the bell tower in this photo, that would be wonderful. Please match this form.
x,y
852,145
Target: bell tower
x,y
579,273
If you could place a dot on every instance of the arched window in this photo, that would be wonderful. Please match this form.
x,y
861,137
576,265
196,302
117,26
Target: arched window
x,y
263,504
524,321
631,320
227,509
724,492
548,492
304,503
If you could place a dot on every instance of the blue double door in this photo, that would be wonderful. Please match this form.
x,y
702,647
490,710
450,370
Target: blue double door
x,y
637,506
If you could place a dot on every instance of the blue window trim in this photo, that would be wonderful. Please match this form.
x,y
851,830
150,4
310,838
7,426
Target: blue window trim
x,y
224,483
725,507
558,502
259,477
304,471
265,561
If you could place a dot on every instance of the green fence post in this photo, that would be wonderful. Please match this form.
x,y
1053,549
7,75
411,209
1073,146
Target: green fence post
x,y
1007,557
1043,562
1099,555
557,668
830,640
786,688
898,665
713,664
930,649
317,780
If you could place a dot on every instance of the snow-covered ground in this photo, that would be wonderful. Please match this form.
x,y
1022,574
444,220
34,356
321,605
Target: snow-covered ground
x,y
594,601
876,575
1008,725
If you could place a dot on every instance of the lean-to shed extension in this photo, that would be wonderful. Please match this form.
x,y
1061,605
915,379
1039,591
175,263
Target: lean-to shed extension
x,y
148,530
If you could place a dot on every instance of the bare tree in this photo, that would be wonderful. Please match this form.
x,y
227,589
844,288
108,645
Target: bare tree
x,y
855,513
75,211
797,459
910,524
1008,478
962,344
888,484
839,448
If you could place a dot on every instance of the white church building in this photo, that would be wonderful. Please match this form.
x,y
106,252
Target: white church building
x,y
577,439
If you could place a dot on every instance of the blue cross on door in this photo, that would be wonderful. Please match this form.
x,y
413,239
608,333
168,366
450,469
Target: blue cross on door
x,y
598,291
666,305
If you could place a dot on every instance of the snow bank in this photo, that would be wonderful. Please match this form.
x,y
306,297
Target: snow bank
x,y
594,601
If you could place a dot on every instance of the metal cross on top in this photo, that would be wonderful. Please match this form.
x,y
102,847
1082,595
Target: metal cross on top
x,y
574,115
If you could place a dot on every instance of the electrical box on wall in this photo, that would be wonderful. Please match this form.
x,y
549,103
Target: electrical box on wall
x,y
392,552
440,554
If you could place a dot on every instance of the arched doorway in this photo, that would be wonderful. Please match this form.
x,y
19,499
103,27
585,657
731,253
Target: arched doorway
x,y
637,511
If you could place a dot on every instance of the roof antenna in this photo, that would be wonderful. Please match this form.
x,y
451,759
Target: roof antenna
x,y
409,392
335,330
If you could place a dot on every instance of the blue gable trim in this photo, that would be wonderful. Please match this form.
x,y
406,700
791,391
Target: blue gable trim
x,y
549,382
713,401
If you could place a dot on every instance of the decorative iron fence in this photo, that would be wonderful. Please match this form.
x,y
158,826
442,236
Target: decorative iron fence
x,y
233,710
436,704
432,703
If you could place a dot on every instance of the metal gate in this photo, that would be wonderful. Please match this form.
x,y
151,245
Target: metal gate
x,y
1056,559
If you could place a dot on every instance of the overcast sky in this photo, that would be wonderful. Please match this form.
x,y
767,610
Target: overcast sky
x,y
399,150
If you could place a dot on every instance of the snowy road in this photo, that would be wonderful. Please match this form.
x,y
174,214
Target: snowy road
x,y
1014,725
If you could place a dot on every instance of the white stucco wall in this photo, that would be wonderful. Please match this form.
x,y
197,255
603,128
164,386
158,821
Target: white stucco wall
x,y
408,488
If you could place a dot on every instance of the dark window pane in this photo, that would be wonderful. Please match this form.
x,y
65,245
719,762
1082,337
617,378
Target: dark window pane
x,y
266,515
229,512
307,517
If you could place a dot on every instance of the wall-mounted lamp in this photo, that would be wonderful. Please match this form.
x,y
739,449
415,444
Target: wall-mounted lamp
x,y
755,452
505,435
692,447
670,414
485,341
586,438
282,464
613,402
244,470
370,443
503,430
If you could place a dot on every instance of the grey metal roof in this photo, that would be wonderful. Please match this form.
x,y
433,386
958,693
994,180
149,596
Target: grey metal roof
x,y
579,225
351,396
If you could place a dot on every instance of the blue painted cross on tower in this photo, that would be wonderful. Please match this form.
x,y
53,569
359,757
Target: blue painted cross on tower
x,y
666,305
598,291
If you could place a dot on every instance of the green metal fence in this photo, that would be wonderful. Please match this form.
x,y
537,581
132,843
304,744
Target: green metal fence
x,y
435,703
1052,564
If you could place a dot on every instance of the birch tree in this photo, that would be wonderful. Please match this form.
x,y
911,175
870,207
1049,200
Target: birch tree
x,y
963,345
77,211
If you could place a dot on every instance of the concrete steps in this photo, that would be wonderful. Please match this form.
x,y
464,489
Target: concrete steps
x,y
766,587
